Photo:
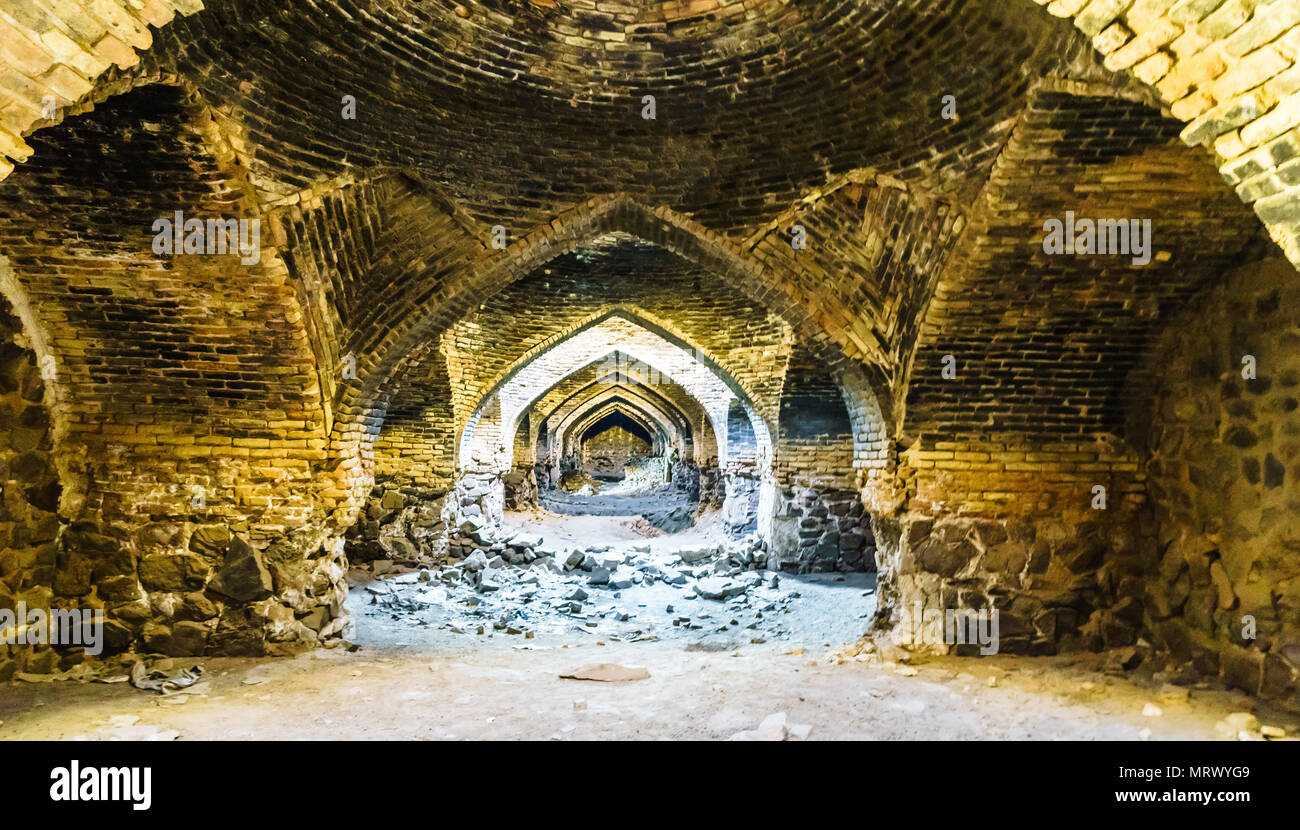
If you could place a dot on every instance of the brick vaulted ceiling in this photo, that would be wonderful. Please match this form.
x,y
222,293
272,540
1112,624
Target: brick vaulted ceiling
x,y
768,112
516,109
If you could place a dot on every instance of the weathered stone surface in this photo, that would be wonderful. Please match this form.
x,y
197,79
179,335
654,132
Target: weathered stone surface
x,y
243,575
180,572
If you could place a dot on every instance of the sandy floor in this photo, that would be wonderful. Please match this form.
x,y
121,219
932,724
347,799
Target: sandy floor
x,y
417,682
504,693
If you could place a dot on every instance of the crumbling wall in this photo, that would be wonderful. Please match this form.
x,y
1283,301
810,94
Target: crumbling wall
x,y
1222,428
29,500
193,433
610,451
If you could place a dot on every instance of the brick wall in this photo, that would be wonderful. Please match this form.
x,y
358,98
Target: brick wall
x,y
923,236
184,388
608,451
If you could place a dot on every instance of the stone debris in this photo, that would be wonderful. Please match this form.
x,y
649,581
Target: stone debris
x,y
580,482
1172,695
1241,722
607,672
1244,726
775,727
717,588
772,728
517,585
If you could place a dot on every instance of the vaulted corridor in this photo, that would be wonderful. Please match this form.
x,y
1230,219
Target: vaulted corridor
x,y
943,342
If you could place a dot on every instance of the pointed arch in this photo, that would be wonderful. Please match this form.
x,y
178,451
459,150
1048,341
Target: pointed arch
x,y
704,380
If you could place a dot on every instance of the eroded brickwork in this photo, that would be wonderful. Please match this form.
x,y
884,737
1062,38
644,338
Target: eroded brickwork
x,y
185,389
884,364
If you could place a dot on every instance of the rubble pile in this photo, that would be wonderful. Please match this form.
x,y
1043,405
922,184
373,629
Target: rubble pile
x,y
642,475
665,509
516,584
575,481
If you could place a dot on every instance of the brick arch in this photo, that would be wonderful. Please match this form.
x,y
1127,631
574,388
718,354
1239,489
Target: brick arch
x,y
564,396
660,326
70,54
571,230
667,410
405,342
693,426
668,413
633,413
584,416
707,382
1230,71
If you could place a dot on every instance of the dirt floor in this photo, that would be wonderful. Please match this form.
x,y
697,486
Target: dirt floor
x,y
425,676
605,503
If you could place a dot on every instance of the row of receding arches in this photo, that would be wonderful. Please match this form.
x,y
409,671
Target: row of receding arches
x,y
511,434
361,406
396,329
623,372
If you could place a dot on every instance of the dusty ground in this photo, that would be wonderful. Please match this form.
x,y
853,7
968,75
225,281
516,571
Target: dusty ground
x,y
509,694
610,519
424,682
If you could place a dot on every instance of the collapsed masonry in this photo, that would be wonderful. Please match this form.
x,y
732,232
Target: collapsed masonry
x,y
715,597
826,304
